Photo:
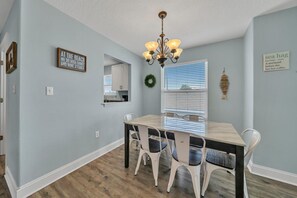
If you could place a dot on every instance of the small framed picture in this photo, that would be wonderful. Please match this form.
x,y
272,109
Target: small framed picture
x,y
11,58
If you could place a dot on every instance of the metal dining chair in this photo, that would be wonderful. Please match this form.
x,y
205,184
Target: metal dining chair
x,y
134,136
183,155
194,118
220,160
197,118
171,114
153,147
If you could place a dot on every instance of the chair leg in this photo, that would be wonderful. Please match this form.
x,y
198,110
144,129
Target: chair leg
x,y
195,173
208,170
155,165
130,143
246,193
141,153
144,159
174,166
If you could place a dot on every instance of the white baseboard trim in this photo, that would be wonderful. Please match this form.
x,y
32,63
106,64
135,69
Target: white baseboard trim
x,y
271,173
45,180
10,183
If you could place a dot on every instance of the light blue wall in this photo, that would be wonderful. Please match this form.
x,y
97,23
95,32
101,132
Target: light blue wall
x,y
11,33
248,98
47,132
152,96
228,55
55,130
275,93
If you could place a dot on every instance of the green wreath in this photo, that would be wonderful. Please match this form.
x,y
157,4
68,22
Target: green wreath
x,y
150,80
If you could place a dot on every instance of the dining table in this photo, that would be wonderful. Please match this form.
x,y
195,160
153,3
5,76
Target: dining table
x,y
218,135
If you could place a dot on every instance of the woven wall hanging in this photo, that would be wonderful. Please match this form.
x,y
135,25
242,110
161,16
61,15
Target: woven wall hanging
x,y
224,85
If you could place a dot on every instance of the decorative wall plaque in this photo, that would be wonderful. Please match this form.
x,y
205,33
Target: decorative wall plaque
x,y
71,60
224,85
11,58
276,61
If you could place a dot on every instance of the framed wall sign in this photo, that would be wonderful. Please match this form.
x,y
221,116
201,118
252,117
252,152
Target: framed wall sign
x,y
11,58
71,60
276,61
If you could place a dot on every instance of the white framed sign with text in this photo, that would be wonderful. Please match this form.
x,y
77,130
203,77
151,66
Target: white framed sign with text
x,y
276,61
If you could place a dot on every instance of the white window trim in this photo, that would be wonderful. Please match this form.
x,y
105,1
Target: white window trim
x,y
198,90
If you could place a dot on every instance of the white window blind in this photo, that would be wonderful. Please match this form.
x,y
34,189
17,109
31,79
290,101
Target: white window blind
x,y
185,88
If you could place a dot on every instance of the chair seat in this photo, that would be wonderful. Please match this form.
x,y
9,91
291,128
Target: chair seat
x,y
220,159
194,157
155,145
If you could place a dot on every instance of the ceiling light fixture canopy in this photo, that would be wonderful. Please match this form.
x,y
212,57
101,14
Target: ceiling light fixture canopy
x,y
163,48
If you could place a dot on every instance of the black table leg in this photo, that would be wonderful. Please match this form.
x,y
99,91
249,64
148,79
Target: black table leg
x,y
239,172
127,146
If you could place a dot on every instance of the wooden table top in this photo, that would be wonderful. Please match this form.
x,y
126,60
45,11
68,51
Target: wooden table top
x,y
222,132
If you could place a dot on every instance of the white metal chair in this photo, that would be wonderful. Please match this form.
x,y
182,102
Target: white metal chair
x,y
184,155
221,160
196,118
152,147
134,136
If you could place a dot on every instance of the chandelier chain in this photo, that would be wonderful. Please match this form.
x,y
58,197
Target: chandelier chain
x,y
162,26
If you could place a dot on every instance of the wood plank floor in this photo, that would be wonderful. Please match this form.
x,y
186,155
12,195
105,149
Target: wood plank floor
x,y
107,177
4,192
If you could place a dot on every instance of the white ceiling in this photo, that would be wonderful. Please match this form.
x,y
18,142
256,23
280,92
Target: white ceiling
x,y
131,23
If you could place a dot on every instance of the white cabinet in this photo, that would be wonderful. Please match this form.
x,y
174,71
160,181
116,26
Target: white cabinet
x,y
119,77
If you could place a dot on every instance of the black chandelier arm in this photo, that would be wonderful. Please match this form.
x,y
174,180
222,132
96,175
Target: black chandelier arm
x,y
158,52
151,61
166,48
169,54
159,41
173,60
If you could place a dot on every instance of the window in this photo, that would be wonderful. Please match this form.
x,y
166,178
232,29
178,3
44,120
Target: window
x,y
184,88
108,85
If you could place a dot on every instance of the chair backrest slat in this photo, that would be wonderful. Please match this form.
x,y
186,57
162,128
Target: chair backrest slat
x,y
183,146
144,137
182,143
143,133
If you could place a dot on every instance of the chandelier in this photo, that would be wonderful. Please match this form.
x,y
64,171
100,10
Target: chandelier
x,y
163,49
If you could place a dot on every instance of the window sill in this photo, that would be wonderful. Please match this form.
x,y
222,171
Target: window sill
x,y
115,103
